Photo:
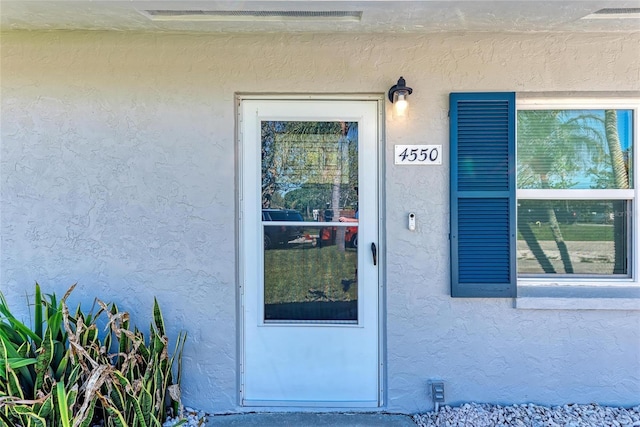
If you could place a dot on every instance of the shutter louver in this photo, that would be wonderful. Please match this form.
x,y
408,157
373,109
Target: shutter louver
x,y
483,255
483,195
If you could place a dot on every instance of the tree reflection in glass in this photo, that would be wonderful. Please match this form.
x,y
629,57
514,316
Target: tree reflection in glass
x,y
310,168
569,150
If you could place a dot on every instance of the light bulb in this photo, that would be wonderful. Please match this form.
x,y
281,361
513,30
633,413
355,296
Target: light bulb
x,y
401,105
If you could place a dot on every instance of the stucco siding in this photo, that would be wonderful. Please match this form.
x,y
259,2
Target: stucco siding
x,y
118,171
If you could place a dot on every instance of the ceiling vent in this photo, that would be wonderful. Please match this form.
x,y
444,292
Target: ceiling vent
x,y
251,15
615,13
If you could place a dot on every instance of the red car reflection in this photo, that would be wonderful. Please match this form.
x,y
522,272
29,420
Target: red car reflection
x,y
328,236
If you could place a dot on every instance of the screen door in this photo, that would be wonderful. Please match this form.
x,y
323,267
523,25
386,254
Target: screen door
x,y
309,255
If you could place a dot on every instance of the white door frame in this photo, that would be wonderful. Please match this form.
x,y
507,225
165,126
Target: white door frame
x,y
379,99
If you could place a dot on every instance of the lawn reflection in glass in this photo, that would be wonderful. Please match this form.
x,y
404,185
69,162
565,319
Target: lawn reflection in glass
x,y
310,269
311,280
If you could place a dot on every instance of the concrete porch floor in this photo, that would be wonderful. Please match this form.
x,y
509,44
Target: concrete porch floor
x,y
304,419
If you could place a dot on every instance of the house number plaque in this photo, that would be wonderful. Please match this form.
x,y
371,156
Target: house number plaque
x,y
418,154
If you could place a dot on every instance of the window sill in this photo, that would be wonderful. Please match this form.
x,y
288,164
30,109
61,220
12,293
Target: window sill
x,y
557,296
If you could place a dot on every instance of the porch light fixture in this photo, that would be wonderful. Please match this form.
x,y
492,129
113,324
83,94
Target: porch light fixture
x,y
398,96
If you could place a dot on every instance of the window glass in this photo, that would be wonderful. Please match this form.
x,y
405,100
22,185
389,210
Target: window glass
x,y
562,232
310,176
575,149
587,237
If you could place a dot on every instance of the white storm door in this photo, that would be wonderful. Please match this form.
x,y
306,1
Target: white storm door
x,y
309,237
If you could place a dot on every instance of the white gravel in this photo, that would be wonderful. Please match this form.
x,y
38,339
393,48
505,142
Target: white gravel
x,y
194,418
485,415
477,415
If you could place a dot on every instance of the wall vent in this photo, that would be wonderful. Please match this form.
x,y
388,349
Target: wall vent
x,y
252,15
615,13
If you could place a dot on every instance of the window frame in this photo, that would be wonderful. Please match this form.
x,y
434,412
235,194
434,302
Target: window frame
x,y
551,102
550,293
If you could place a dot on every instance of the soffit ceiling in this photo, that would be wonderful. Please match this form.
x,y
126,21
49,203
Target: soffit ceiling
x,y
377,16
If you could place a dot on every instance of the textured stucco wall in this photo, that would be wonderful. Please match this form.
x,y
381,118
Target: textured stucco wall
x,y
117,172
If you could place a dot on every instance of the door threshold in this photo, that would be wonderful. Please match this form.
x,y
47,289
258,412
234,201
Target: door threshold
x,y
312,404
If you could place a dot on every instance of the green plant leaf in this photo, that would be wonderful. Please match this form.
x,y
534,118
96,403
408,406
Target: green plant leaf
x,y
16,363
60,352
158,345
117,399
6,420
8,351
35,420
26,349
4,359
146,404
157,318
18,326
63,409
55,324
107,341
115,417
74,375
62,366
138,411
51,305
123,348
38,311
13,384
46,408
92,334
43,361
20,409
122,380
89,415
27,416
143,349
155,422
71,398
7,331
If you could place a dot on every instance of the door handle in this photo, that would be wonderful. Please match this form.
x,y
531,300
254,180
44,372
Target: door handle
x,y
374,252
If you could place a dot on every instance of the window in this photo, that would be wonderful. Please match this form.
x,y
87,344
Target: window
x,y
575,191
541,192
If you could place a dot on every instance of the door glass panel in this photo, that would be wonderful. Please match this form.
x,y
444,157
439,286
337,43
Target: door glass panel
x,y
309,221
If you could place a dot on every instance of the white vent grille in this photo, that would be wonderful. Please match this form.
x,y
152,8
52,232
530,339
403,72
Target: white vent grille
x,y
615,13
252,15
618,11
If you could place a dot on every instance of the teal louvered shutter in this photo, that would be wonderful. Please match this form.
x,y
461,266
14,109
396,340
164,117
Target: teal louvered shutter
x,y
483,194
